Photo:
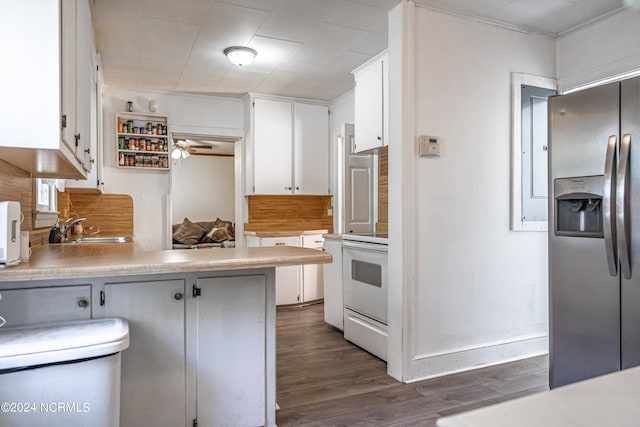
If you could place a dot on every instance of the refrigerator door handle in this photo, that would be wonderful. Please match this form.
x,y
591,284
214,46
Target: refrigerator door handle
x,y
622,206
608,207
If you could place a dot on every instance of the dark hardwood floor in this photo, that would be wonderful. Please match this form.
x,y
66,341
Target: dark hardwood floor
x,y
323,380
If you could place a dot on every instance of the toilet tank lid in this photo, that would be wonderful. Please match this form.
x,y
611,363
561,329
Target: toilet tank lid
x,y
35,345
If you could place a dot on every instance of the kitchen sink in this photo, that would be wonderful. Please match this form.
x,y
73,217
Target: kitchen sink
x,y
86,240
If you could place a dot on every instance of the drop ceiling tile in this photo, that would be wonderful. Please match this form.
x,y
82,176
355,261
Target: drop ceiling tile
x,y
207,62
575,14
160,63
167,38
271,52
227,25
305,11
382,4
520,12
483,8
120,76
198,83
327,44
119,59
238,80
185,11
359,16
280,27
371,44
265,5
158,80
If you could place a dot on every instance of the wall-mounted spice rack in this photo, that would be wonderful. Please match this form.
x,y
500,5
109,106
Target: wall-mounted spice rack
x,y
142,141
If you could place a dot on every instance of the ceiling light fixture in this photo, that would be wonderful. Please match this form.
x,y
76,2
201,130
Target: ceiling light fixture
x,y
240,55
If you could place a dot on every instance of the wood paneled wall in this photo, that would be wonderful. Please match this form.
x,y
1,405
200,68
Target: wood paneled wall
x,y
383,190
294,212
112,214
17,185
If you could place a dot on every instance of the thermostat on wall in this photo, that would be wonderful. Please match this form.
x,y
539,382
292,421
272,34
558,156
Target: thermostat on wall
x,y
428,146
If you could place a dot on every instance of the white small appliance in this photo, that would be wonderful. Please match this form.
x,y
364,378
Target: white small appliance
x,y
9,233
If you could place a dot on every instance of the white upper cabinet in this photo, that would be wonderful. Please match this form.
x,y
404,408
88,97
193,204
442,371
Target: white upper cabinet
x,y
40,117
272,145
371,100
288,151
311,150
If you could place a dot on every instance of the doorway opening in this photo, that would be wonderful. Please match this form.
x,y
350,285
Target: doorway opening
x,y
206,180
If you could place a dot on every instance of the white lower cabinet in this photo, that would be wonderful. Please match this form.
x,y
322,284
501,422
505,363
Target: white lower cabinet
x,y
288,279
312,274
30,306
153,367
333,299
199,350
231,377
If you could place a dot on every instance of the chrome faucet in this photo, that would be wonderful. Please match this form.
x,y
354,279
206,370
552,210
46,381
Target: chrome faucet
x,y
64,228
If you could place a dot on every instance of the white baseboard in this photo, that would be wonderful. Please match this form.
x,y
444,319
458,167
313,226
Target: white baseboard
x,y
430,366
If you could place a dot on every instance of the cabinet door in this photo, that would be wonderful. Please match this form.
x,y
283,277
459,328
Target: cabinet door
x,y
272,134
83,83
30,306
312,275
368,98
231,370
153,367
288,280
333,301
68,47
311,149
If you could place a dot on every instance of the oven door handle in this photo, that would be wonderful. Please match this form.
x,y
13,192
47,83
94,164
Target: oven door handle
x,y
372,247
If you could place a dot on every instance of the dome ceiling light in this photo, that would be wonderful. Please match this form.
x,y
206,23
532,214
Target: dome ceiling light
x,y
240,55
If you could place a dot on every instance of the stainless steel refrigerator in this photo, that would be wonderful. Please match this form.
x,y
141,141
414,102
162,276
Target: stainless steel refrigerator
x,y
594,231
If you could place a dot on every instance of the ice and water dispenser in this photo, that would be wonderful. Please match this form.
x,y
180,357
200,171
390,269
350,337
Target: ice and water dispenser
x,y
578,206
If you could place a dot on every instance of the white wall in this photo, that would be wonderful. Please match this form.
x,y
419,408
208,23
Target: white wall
x,y
202,188
150,189
479,295
606,48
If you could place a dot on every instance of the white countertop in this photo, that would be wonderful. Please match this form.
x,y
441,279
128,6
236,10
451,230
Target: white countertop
x,y
610,400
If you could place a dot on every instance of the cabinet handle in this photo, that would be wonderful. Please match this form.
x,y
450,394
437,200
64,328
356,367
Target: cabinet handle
x,y
83,303
178,296
88,150
280,244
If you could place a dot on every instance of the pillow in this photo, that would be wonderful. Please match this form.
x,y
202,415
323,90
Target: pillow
x,y
188,233
228,225
217,235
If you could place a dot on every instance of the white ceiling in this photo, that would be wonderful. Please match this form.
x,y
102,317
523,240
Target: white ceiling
x,y
306,48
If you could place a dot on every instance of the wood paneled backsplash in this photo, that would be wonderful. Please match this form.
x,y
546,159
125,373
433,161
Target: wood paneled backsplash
x,y
17,185
289,212
111,214
383,190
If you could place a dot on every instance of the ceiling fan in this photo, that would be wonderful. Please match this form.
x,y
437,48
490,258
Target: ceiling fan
x,y
185,148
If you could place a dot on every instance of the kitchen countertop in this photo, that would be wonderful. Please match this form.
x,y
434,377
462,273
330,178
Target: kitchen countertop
x,y
116,259
332,236
609,400
284,233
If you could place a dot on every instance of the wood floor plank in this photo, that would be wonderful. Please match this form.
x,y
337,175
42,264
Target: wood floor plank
x,y
323,380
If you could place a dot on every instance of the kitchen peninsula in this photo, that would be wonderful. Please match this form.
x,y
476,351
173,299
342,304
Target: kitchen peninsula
x,y
202,322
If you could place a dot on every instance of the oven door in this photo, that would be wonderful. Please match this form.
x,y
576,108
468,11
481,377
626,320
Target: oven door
x,y
365,279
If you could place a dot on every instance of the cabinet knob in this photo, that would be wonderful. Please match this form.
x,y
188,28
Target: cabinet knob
x,y
88,150
178,296
287,188
83,303
379,138
297,188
